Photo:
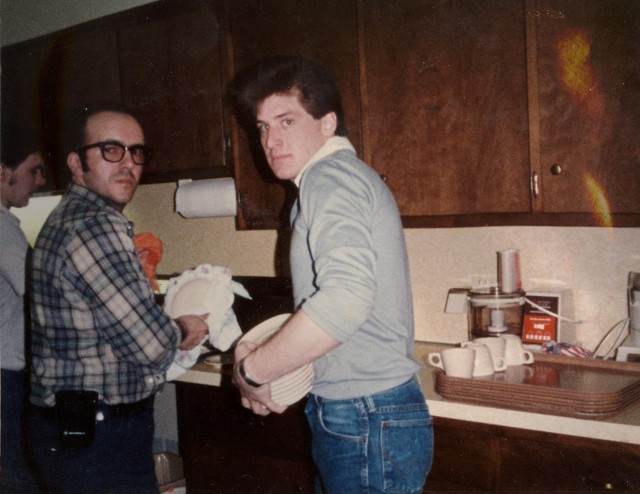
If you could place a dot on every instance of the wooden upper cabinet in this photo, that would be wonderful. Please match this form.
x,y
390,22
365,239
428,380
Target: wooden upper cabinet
x,y
171,75
445,104
324,31
588,88
161,59
43,78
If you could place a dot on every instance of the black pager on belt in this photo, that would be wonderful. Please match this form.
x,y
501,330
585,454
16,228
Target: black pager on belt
x,y
76,414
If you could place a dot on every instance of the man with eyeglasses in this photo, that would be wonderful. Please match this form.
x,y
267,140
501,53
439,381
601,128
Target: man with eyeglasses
x,y
101,345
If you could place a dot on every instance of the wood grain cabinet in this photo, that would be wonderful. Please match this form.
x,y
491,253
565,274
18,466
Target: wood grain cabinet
x,y
171,74
325,31
586,84
161,59
502,112
228,450
445,91
472,457
476,113
43,77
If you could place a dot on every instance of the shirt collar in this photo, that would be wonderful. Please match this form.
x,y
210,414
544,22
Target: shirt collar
x,y
86,194
333,144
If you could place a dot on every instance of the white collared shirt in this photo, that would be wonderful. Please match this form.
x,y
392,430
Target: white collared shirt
x,y
333,144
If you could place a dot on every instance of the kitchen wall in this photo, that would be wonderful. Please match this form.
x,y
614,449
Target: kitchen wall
x,y
592,262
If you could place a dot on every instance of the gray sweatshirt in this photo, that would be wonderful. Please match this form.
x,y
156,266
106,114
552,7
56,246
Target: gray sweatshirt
x,y
350,274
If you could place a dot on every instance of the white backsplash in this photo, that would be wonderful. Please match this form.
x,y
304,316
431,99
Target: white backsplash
x,y
593,262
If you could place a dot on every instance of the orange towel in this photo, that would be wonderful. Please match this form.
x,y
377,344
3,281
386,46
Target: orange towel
x,y
149,248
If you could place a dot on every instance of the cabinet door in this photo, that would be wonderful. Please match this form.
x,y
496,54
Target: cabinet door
x,y
228,449
324,31
589,104
22,64
170,67
445,99
43,79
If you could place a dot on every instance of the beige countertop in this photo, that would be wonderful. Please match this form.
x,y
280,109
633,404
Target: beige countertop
x,y
623,427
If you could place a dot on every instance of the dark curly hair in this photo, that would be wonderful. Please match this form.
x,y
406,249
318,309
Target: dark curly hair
x,y
18,142
314,85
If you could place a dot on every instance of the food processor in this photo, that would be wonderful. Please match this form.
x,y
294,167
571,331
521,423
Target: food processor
x,y
494,311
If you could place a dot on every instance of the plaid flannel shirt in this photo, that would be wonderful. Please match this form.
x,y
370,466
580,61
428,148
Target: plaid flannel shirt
x,y
96,325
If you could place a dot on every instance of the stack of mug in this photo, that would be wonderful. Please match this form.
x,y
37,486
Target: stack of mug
x,y
482,356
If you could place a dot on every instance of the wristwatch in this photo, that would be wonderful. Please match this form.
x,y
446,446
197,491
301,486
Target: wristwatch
x,y
245,376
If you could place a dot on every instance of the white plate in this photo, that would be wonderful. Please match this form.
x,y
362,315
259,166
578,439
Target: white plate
x,y
291,387
263,331
187,298
295,379
219,360
293,397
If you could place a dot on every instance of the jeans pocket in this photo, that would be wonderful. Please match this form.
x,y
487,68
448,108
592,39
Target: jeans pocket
x,y
341,421
407,452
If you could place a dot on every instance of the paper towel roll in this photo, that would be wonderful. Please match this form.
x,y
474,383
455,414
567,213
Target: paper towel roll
x,y
207,198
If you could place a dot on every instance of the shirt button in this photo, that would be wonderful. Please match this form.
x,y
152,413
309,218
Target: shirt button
x,y
150,380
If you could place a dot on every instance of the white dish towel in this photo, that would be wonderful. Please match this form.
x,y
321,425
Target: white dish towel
x,y
204,290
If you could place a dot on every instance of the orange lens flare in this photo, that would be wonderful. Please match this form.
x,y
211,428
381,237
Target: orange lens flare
x,y
576,71
598,201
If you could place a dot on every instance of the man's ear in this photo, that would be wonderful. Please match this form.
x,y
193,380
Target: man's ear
x,y
329,124
74,164
4,173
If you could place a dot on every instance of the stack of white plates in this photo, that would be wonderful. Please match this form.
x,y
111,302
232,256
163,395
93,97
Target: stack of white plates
x,y
292,387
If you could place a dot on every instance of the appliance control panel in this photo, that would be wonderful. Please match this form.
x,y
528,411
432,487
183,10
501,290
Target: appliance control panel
x,y
537,326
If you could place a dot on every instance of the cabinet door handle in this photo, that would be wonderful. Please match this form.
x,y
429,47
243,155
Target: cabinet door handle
x,y
535,186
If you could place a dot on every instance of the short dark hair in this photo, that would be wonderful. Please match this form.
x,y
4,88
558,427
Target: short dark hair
x,y
18,142
76,121
314,85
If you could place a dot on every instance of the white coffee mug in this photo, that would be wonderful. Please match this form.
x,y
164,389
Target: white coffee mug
x,y
456,362
496,346
514,352
484,363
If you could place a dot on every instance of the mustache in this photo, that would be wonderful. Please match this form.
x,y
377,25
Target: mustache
x,y
124,174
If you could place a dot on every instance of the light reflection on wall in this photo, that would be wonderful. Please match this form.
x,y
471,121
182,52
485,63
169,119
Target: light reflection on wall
x,y
580,83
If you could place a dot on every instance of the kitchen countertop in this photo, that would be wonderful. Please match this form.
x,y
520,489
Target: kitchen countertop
x,y
623,427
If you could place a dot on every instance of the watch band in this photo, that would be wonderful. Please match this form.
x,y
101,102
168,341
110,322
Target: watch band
x,y
245,376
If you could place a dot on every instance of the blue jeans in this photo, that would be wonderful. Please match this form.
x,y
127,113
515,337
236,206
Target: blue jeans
x,y
381,443
120,460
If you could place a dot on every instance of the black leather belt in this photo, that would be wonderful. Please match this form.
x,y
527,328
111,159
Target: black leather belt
x,y
127,409
109,411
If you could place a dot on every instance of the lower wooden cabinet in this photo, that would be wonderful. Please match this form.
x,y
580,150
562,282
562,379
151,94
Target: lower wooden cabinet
x,y
472,457
228,450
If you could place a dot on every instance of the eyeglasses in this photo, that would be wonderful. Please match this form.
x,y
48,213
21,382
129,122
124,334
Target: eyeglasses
x,y
114,151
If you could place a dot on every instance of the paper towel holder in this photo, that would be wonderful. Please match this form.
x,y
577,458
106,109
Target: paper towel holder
x,y
208,198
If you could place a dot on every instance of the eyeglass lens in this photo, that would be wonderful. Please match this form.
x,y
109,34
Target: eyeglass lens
x,y
114,152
